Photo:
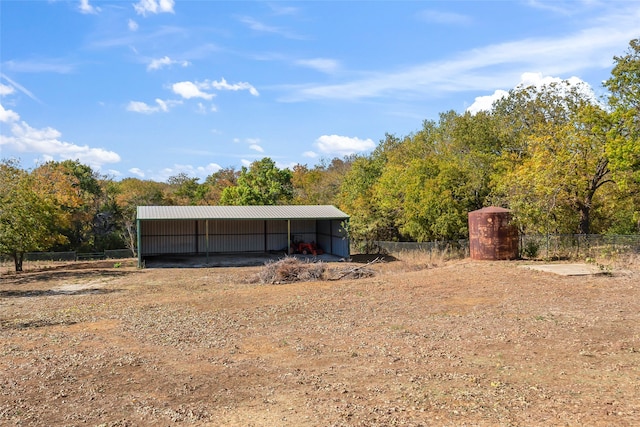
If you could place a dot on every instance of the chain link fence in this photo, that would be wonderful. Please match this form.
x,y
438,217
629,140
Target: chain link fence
x,y
578,246
556,246
448,249
72,255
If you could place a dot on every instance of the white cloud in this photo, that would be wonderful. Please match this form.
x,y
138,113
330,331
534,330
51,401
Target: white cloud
x,y
137,171
246,162
86,8
157,64
190,90
253,140
257,148
154,6
46,142
324,65
223,85
6,90
343,145
311,154
485,103
144,108
133,25
8,116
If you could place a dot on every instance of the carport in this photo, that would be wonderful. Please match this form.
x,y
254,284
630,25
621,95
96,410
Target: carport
x,y
210,230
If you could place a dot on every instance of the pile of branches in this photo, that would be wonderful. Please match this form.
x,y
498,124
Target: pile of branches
x,y
291,269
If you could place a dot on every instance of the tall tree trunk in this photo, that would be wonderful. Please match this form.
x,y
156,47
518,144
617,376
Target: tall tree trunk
x,y
18,257
585,218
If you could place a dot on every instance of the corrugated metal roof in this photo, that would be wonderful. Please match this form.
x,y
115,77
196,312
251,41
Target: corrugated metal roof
x,y
240,212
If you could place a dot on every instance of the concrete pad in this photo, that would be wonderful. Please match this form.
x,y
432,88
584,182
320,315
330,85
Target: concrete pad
x,y
566,269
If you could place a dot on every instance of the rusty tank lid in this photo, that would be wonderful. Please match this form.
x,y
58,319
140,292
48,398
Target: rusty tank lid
x,y
491,209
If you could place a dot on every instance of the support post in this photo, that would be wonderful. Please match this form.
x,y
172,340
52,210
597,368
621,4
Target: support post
x,y
138,243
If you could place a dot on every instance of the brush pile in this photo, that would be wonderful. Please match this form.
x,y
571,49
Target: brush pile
x,y
291,269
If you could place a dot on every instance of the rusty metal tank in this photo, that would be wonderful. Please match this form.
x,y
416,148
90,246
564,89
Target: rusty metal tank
x,y
492,236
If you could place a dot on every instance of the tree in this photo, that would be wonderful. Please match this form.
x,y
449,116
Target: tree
x,y
553,176
433,178
185,190
129,194
368,222
319,185
28,218
623,132
260,184
77,191
215,184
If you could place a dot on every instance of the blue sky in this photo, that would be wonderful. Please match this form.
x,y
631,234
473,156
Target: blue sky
x,y
154,88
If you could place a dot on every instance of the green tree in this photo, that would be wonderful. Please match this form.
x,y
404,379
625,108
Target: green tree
x,y
554,172
78,187
368,221
319,185
433,178
623,132
128,194
185,190
263,183
215,184
28,218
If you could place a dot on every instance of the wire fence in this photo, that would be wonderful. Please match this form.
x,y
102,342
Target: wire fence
x,y
73,255
556,246
573,246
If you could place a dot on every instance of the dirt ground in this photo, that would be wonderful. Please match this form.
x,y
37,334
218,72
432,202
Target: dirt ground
x,y
452,344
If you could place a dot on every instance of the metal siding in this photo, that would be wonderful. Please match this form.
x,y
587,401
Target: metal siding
x,y
183,229
162,237
240,212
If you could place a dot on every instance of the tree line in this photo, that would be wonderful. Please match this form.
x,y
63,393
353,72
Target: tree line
x,y
563,161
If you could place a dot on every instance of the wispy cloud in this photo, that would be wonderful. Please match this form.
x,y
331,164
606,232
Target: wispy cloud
x,y
20,87
190,170
563,7
39,66
279,9
492,66
324,65
165,61
198,89
144,108
261,27
438,17
223,85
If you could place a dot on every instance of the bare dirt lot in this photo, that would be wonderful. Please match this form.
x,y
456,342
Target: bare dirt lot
x,y
459,343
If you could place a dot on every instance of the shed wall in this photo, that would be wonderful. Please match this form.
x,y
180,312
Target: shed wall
x,y
160,237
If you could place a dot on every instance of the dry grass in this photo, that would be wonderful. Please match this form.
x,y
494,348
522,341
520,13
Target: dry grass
x,y
437,342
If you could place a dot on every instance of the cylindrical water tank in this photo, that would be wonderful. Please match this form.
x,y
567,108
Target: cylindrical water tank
x,y
491,234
